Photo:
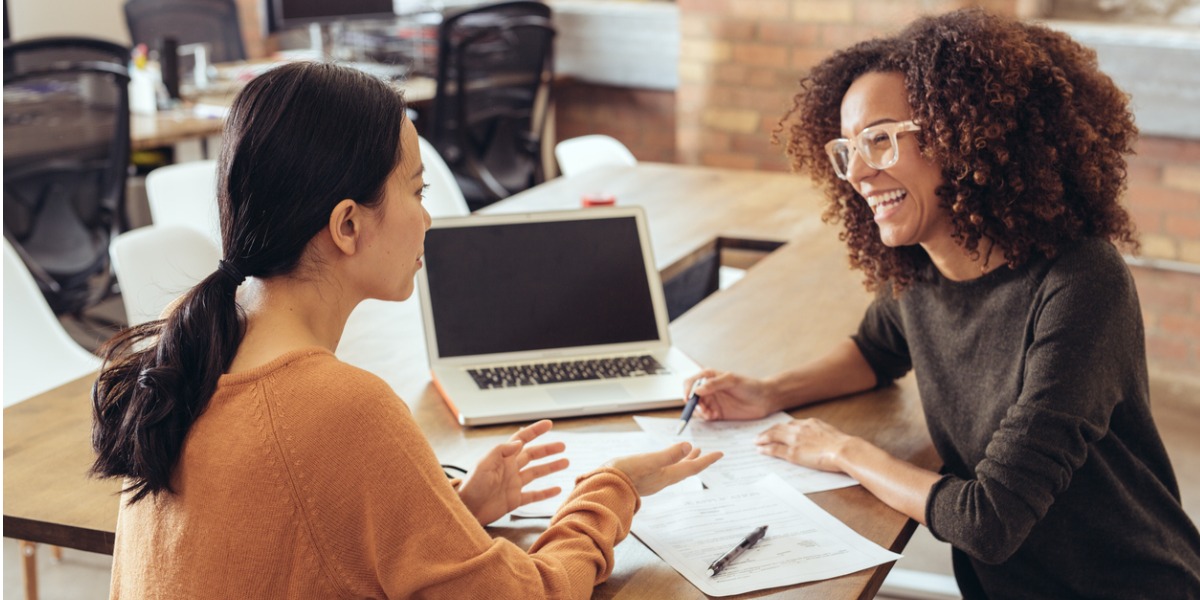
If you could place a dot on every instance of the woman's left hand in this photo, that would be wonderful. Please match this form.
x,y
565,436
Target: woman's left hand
x,y
496,487
811,443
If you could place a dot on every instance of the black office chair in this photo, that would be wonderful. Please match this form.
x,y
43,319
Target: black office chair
x,y
214,22
34,54
494,80
66,155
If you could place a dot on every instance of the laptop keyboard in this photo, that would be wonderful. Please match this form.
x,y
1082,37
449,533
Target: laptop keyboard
x,y
571,370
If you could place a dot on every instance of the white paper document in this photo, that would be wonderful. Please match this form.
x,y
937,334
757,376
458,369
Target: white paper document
x,y
803,542
587,451
742,464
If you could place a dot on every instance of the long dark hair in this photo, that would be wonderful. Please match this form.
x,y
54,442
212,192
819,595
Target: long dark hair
x,y
299,139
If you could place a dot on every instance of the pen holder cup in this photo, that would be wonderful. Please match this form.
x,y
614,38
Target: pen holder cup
x,y
143,89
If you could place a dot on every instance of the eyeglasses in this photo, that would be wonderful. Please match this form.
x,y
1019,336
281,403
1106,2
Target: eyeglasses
x,y
876,145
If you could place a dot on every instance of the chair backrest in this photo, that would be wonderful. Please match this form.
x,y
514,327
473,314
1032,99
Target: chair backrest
x,y
494,79
40,53
587,152
66,155
185,194
158,263
38,353
443,198
214,22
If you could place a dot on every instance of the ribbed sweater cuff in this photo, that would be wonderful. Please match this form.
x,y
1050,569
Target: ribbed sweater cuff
x,y
637,499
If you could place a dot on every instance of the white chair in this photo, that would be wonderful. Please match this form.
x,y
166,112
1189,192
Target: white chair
x,y
443,198
157,264
186,194
38,353
584,153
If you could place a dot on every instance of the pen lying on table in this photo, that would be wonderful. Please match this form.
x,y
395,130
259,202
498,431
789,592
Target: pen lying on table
x,y
746,543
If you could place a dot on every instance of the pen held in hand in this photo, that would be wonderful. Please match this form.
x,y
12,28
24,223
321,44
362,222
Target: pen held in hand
x,y
693,399
747,542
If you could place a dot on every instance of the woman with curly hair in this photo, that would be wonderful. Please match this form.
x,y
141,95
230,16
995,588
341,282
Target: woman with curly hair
x,y
975,164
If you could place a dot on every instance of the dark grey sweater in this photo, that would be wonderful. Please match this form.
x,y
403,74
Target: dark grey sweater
x,y
1056,483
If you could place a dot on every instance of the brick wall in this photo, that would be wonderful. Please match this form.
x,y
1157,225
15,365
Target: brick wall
x,y
1164,197
1171,309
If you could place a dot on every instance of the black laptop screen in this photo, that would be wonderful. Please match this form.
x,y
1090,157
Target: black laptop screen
x,y
538,286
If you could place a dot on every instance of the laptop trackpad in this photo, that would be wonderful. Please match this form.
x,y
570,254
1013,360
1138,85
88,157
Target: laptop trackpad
x,y
590,394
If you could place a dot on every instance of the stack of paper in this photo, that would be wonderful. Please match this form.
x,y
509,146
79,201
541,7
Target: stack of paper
x,y
803,542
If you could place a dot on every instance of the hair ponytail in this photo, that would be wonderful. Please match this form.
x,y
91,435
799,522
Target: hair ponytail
x,y
298,139
157,379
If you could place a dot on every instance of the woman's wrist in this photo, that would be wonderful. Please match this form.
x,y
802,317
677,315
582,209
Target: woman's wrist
x,y
773,396
786,391
849,452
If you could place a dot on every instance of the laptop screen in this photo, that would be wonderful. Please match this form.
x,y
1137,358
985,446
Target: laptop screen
x,y
538,286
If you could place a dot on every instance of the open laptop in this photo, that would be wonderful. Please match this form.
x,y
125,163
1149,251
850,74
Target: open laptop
x,y
547,314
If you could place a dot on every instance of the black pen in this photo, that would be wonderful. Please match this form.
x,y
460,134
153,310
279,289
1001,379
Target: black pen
x,y
693,399
746,543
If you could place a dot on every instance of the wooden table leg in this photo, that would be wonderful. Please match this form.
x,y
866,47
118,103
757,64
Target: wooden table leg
x,y
29,561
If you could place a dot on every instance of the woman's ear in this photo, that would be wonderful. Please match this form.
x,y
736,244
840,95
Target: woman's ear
x,y
345,226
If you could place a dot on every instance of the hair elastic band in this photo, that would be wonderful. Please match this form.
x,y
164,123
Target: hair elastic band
x,y
229,270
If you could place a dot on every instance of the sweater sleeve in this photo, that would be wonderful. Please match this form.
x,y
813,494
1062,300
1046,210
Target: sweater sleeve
x,y
387,523
1081,359
582,534
881,340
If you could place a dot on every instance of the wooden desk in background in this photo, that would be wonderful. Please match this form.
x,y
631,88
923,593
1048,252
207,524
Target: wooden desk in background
x,y
788,308
169,127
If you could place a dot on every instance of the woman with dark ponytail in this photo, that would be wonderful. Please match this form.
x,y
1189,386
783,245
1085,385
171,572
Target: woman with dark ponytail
x,y
257,465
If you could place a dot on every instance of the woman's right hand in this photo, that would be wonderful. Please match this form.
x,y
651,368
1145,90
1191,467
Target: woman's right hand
x,y
728,396
653,471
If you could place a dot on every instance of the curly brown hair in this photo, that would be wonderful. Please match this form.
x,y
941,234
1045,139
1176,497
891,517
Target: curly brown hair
x,y
1030,136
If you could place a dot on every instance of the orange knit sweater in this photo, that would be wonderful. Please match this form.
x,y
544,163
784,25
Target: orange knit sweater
x,y
309,478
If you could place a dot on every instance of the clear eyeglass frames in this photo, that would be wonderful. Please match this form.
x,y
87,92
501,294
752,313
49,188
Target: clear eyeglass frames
x,y
876,145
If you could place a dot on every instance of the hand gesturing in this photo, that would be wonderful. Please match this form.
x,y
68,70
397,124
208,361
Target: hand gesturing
x,y
496,487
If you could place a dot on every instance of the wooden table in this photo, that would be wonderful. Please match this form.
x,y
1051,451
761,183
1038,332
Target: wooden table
x,y
169,127
787,309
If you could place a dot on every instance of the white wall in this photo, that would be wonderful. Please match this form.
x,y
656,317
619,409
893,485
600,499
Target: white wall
x,y
103,19
627,44
1158,66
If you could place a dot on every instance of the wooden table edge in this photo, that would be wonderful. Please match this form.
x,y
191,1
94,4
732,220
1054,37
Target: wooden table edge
x,y
67,536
